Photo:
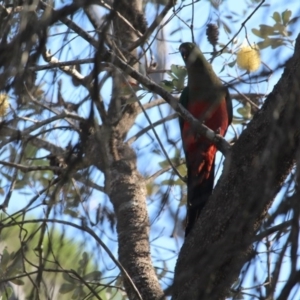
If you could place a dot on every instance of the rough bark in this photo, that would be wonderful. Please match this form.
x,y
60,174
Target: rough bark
x,y
125,186
254,171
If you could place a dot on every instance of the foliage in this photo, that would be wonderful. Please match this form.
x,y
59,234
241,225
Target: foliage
x,y
276,35
64,264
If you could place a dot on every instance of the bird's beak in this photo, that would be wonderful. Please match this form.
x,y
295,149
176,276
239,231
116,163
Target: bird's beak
x,y
183,53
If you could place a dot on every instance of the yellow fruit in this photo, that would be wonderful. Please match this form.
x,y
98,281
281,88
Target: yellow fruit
x,y
248,58
4,104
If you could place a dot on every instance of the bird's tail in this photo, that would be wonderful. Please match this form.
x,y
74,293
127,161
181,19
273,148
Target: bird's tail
x,y
199,190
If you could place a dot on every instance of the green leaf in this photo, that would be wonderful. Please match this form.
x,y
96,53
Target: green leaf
x,y
13,270
95,275
179,84
164,163
17,281
152,188
262,45
179,71
7,176
5,292
175,82
171,74
223,68
286,15
68,278
83,262
245,111
85,257
232,64
226,50
276,17
16,266
71,213
177,181
12,255
294,20
281,28
226,28
66,288
5,259
78,293
182,169
167,85
257,33
30,151
267,30
275,43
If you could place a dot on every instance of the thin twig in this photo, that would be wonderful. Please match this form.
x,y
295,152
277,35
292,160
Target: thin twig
x,y
156,135
244,97
5,203
144,130
162,171
153,26
280,227
192,22
26,169
60,64
154,103
242,26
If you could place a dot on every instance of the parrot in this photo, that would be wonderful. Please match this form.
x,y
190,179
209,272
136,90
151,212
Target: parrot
x,y
208,100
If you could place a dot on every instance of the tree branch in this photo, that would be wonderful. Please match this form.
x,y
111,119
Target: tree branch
x,y
153,26
200,128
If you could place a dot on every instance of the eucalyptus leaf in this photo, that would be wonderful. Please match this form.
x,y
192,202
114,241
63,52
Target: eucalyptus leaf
x,y
276,16
17,281
95,275
286,15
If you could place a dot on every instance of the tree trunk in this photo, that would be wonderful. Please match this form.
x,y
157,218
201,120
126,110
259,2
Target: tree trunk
x,y
254,171
125,186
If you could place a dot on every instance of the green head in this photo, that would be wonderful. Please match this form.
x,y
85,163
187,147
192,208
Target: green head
x,y
192,55
200,72
203,83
